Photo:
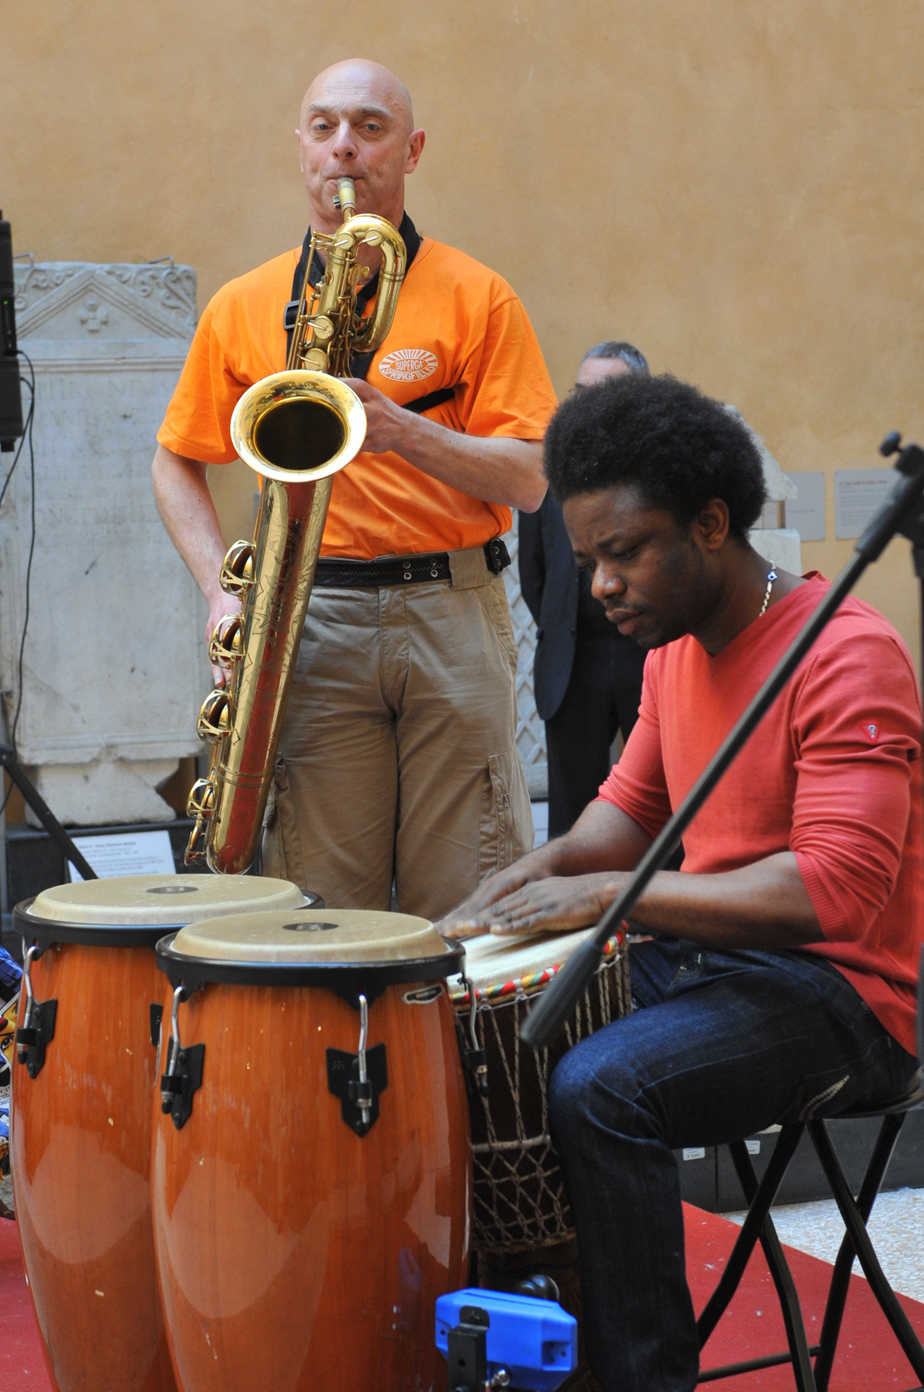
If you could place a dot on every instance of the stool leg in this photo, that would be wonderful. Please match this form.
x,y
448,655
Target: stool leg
x,y
859,1237
796,1337
758,1226
840,1281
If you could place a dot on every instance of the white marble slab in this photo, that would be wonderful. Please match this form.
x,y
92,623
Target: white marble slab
x,y
114,665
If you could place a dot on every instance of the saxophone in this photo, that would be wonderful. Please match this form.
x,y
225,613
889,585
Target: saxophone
x,y
296,429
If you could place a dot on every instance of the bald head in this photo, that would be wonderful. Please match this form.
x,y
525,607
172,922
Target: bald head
x,y
362,79
356,121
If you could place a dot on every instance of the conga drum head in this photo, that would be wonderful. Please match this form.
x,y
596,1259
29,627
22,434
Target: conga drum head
x,y
137,909
330,947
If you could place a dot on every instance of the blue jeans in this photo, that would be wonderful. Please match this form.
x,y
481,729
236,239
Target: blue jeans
x,y
723,1044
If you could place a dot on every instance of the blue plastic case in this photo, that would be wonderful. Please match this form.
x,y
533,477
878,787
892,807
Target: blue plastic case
x,y
535,1340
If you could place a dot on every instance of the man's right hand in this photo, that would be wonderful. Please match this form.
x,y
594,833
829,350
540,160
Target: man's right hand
x,y
222,606
603,838
460,922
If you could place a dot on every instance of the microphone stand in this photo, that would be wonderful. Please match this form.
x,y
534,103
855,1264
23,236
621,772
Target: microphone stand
x,y
902,512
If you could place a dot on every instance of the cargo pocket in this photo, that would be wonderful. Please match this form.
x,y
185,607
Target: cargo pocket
x,y
506,831
282,849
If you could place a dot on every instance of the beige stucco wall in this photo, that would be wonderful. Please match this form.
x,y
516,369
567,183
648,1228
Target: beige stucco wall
x,y
734,185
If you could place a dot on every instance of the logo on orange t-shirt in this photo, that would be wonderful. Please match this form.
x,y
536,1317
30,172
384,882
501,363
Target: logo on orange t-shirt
x,y
872,731
408,365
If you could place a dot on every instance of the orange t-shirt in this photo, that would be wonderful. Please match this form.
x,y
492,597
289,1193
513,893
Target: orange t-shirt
x,y
457,325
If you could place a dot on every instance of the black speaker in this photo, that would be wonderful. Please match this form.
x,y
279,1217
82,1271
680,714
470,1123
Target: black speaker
x,y
10,393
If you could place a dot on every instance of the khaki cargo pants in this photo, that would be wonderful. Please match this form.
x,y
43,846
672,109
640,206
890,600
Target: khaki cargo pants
x,y
398,761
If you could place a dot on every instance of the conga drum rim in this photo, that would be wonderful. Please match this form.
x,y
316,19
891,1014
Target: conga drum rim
x,y
350,951
540,956
118,912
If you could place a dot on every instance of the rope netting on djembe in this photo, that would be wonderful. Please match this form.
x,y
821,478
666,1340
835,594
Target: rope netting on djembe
x,y
519,1197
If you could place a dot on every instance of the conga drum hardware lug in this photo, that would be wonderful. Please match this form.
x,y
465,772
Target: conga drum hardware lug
x,y
183,1075
360,1088
475,1063
343,1080
474,1056
177,1088
156,1017
33,1039
38,1021
357,1079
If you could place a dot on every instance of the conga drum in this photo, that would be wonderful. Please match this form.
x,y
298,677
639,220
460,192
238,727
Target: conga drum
x,y
311,1172
86,1049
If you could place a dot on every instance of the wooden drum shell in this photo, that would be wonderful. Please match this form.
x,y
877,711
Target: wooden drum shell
x,y
80,1150
293,1254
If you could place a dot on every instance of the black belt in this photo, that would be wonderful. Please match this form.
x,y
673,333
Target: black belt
x,y
337,572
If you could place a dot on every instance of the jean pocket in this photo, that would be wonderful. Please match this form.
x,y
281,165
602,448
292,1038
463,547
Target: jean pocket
x,y
821,1094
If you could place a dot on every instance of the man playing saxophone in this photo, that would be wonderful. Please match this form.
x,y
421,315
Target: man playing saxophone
x,y
397,763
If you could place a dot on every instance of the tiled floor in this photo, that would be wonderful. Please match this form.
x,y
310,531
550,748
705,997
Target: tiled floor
x,y
896,1227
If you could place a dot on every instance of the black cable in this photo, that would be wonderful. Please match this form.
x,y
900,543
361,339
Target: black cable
x,y
27,435
6,481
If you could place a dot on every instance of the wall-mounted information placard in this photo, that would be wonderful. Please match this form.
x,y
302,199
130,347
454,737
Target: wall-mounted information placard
x,y
126,853
858,496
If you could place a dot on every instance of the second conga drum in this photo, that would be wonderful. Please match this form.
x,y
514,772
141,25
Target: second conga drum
x,y
82,1114
311,1175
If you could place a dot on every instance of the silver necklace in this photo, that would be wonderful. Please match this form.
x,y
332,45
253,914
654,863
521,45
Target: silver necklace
x,y
770,579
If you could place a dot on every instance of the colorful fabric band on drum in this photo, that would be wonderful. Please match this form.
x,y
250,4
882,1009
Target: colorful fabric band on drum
x,y
528,984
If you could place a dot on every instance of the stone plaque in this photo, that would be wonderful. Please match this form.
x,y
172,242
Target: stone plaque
x,y
858,496
114,665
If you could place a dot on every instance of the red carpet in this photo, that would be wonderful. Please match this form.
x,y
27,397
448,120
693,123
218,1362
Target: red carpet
x,y
22,1363
868,1359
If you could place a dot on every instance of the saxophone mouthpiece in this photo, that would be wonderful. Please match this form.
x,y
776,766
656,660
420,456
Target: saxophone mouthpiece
x,y
345,198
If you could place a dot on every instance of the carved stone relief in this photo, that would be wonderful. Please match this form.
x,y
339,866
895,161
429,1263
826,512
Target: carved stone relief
x,y
113,659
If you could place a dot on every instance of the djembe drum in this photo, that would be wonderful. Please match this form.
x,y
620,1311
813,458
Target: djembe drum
x,y
521,1220
82,1114
310,1158
519,1198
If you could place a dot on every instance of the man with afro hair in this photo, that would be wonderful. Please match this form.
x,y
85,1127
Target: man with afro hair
x,y
775,976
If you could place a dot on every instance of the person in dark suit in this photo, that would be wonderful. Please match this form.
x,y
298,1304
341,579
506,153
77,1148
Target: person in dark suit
x,y
587,675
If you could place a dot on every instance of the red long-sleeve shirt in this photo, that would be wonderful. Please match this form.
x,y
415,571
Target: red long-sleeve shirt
x,y
833,774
